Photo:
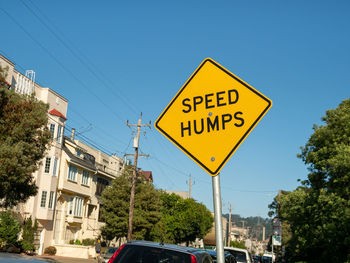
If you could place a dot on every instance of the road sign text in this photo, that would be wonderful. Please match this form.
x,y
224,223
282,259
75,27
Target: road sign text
x,y
210,124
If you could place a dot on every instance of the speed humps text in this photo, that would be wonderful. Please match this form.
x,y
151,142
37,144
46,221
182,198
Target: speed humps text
x,y
212,122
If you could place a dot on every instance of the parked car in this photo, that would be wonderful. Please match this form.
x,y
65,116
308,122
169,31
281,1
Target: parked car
x,y
151,252
241,255
17,258
256,258
105,256
228,257
267,258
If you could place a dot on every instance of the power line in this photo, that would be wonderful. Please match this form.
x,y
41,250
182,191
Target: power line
x,y
61,64
101,131
105,133
89,68
89,141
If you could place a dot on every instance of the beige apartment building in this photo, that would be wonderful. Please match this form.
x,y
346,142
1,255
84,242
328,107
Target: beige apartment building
x,y
41,206
84,173
70,179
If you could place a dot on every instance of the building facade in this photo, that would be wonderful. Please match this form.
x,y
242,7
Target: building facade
x,y
71,176
41,206
84,173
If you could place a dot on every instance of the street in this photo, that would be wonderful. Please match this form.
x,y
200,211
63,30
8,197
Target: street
x,y
18,258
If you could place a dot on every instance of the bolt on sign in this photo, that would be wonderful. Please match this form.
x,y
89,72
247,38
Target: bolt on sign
x,y
211,115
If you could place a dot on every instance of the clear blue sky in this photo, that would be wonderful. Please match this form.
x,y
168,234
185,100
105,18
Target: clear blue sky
x,y
115,59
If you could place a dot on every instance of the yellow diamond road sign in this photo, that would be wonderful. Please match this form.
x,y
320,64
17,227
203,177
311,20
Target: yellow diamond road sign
x,y
211,115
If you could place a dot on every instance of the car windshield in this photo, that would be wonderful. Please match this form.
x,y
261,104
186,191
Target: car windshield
x,y
143,254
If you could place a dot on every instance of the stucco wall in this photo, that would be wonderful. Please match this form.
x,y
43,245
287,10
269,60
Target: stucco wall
x,y
75,251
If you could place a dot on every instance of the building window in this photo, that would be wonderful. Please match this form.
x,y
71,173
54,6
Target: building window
x,y
100,218
72,173
70,206
90,210
52,195
101,185
78,206
43,199
75,206
85,179
47,164
52,130
59,133
54,172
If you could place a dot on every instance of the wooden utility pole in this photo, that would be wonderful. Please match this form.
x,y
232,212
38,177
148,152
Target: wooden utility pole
x,y
134,174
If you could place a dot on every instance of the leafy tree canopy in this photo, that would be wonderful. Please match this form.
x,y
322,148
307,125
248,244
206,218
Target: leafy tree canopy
x,y
23,140
327,153
158,216
316,215
238,244
183,220
115,211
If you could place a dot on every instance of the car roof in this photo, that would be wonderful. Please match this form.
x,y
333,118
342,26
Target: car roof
x,y
190,250
236,249
212,252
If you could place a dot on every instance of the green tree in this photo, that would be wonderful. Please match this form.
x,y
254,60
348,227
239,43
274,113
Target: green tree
x,y
238,244
28,229
115,211
9,229
24,138
317,214
183,220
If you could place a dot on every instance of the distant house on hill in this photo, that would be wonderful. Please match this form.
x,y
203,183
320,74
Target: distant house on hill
x,y
182,194
147,175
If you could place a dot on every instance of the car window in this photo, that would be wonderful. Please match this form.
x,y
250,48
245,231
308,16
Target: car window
x,y
230,259
208,260
140,254
111,250
266,259
240,256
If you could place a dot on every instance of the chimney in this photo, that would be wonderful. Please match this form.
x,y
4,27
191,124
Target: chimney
x,y
72,133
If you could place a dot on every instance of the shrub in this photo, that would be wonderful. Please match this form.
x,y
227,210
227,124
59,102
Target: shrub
x,y
13,249
89,242
51,250
71,242
9,229
77,242
28,234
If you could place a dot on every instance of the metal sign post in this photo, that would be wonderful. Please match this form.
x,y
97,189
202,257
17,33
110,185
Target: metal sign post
x,y
218,219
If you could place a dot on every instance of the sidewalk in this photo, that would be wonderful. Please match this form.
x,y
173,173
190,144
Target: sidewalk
x,y
66,259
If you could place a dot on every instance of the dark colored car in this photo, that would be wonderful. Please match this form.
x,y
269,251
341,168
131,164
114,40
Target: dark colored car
x,y
150,252
266,259
228,257
256,258
16,258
